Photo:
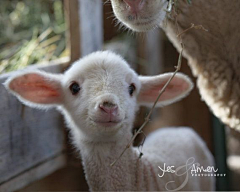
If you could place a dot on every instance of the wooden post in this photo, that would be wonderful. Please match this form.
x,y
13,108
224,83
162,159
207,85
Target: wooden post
x,y
85,21
73,32
150,63
150,52
154,52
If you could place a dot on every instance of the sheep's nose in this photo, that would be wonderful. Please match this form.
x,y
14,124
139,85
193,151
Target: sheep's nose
x,y
109,108
135,5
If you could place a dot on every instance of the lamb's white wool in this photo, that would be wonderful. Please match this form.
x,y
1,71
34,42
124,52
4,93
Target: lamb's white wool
x,y
213,56
99,96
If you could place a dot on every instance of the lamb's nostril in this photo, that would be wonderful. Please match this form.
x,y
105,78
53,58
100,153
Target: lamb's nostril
x,y
109,108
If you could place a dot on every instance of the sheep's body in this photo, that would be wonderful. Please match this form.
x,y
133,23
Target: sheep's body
x,y
184,143
98,96
170,146
213,56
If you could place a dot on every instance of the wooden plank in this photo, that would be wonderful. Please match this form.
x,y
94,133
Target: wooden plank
x,y
36,173
73,32
154,52
85,21
150,52
69,178
27,136
109,21
55,66
91,25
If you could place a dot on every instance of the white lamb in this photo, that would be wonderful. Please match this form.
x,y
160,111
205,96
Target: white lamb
x,y
99,96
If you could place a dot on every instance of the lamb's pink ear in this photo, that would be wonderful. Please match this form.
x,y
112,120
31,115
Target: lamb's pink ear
x,y
36,89
179,87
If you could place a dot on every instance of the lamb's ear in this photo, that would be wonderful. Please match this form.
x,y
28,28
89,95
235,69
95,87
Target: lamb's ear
x,y
179,88
36,89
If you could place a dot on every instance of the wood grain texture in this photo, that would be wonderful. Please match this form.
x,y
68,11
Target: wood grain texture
x,y
73,32
91,25
28,136
154,52
85,24
37,172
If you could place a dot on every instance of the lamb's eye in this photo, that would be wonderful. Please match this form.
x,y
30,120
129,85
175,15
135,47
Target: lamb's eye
x,y
74,88
131,89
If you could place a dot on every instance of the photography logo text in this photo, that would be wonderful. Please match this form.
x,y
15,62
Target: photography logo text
x,y
191,168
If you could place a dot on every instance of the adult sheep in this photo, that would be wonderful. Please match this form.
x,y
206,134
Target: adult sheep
x,y
213,56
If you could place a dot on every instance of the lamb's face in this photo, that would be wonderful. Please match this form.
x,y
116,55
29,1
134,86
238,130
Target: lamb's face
x,y
100,94
140,15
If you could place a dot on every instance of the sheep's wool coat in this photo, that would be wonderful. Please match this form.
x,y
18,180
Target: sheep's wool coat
x,y
169,147
213,55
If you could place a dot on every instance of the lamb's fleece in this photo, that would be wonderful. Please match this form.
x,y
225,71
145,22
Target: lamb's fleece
x,y
213,56
99,96
175,147
192,146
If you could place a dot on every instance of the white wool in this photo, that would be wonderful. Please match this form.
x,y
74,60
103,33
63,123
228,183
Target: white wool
x,y
106,77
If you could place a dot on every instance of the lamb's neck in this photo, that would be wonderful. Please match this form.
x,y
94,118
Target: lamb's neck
x,y
97,158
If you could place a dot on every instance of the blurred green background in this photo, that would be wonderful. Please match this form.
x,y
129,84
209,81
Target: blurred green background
x,y
31,31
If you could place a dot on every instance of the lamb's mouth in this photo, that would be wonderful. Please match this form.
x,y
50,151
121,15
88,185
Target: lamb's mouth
x,y
106,123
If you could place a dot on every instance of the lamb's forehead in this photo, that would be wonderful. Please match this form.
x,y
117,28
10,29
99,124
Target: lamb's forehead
x,y
98,63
